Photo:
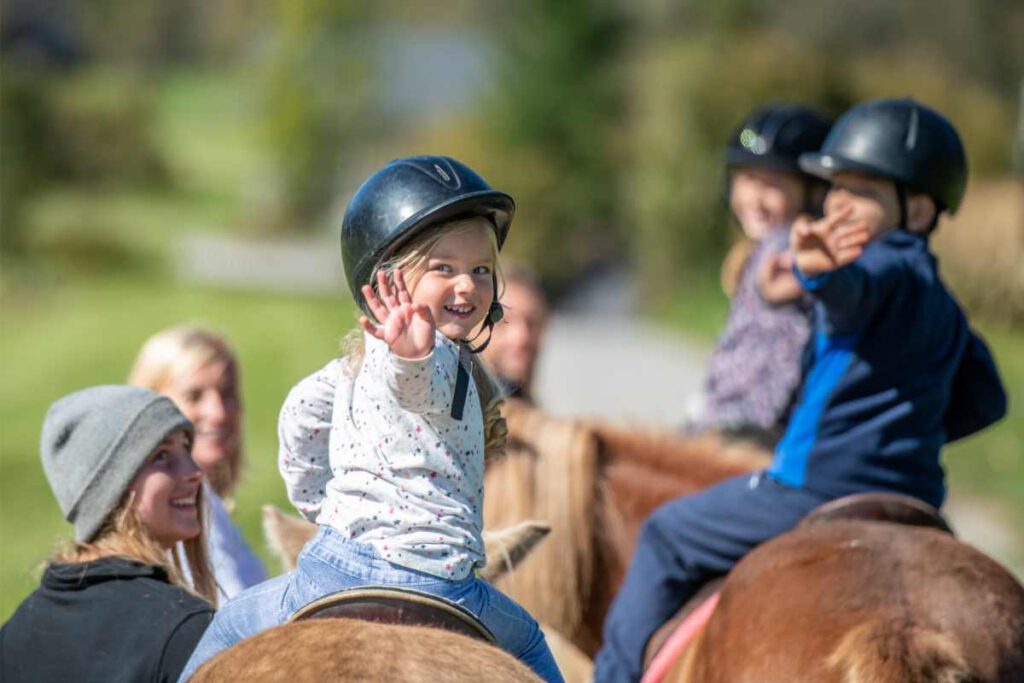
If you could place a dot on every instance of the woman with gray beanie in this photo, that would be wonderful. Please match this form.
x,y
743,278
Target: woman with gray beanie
x,y
114,606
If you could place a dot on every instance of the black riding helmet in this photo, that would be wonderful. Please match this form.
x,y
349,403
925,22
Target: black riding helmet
x,y
901,140
775,136
402,199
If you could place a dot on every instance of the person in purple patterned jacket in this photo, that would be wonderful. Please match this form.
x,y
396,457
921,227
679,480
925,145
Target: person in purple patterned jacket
x,y
756,368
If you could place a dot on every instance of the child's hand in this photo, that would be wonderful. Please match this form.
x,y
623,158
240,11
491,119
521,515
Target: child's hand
x,y
775,279
827,244
407,328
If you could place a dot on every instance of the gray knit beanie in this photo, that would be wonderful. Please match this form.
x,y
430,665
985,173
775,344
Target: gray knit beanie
x,y
93,443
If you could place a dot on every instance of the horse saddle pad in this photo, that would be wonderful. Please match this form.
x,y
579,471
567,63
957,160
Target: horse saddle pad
x,y
879,507
393,605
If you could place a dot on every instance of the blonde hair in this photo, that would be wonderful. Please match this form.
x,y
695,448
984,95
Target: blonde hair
x,y
124,535
411,258
177,352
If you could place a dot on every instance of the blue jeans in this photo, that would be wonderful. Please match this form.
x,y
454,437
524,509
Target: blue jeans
x,y
684,543
331,563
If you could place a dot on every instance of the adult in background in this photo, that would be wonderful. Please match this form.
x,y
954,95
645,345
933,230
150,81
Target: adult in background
x,y
197,369
515,344
114,605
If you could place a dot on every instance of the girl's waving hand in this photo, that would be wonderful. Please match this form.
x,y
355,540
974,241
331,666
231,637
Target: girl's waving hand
x,y
407,328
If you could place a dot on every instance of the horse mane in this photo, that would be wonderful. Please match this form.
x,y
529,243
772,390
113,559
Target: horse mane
x,y
549,472
594,483
894,650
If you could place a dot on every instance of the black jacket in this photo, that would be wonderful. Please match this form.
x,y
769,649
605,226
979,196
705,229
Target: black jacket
x,y
109,620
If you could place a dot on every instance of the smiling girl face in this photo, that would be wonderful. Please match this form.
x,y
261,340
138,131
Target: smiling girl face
x,y
457,283
166,491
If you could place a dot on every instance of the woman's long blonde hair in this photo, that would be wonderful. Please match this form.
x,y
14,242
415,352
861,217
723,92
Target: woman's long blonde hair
x,y
179,351
124,535
411,259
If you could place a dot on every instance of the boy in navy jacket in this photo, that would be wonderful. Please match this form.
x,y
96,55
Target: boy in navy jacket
x,y
896,372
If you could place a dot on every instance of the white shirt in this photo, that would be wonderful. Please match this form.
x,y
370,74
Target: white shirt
x,y
235,566
391,467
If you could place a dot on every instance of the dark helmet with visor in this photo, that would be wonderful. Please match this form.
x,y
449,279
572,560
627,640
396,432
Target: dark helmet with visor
x,y
901,140
403,199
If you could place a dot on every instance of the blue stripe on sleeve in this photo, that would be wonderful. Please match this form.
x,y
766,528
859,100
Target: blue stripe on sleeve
x,y
833,356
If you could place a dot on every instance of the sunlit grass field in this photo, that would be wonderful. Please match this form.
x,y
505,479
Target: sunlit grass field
x,y
65,337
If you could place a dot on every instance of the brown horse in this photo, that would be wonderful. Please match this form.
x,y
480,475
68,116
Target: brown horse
x,y
862,602
843,601
355,651
594,484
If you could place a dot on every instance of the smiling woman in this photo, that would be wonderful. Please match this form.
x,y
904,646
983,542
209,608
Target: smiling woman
x,y
115,605
197,370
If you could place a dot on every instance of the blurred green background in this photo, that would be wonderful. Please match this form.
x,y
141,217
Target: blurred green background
x,y
132,127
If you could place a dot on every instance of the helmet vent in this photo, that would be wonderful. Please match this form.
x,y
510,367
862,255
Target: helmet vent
x,y
448,177
912,130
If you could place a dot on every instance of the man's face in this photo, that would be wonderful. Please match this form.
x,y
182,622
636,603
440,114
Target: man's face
x,y
512,353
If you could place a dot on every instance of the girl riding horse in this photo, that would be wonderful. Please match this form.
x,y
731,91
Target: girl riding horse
x,y
398,497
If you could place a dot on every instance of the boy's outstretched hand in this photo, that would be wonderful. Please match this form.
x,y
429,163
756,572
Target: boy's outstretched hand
x,y
407,328
828,243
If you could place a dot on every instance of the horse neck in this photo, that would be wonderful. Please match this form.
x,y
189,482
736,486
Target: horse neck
x,y
645,468
550,473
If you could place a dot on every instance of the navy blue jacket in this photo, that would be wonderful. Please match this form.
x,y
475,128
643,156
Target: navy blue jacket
x,y
896,373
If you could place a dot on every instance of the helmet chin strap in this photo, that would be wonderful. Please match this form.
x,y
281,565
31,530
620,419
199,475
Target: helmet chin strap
x,y
465,359
901,199
494,314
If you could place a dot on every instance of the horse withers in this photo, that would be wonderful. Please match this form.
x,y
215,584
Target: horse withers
x,y
350,651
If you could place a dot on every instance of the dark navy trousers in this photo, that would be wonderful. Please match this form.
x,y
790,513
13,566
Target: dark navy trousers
x,y
684,543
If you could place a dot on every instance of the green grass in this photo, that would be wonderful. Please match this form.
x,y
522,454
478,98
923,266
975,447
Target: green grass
x,y
207,128
61,338
992,462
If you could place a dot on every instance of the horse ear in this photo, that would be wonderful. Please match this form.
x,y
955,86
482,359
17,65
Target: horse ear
x,y
509,546
285,535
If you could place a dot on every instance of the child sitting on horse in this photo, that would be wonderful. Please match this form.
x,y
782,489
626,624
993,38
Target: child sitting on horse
x,y
897,371
756,368
399,495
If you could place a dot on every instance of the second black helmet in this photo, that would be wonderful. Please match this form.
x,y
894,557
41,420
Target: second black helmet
x,y
406,197
775,136
902,140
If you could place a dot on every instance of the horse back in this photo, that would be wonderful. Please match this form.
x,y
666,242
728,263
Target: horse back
x,y
865,601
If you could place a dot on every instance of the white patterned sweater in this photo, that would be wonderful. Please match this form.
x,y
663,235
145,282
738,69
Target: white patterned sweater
x,y
379,457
